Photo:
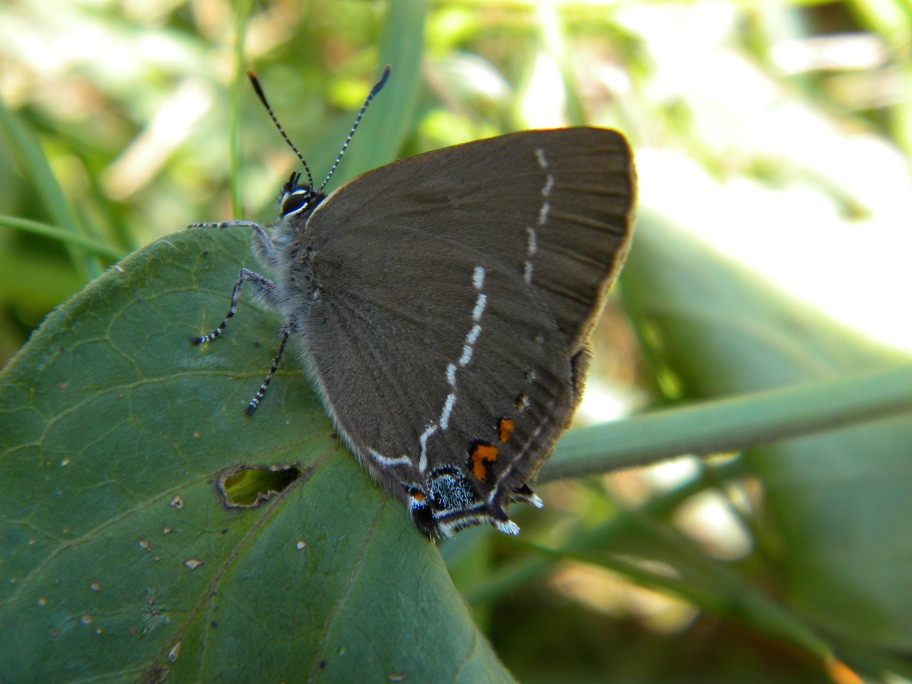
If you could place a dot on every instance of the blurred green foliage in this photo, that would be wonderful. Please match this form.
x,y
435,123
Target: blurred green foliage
x,y
123,122
133,103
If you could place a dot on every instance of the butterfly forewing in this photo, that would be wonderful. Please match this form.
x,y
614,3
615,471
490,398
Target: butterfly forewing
x,y
556,204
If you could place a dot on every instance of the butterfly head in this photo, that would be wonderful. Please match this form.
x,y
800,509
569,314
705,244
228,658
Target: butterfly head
x,y
297,197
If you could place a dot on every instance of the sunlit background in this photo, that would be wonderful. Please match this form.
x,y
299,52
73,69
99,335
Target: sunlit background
x,y
778,132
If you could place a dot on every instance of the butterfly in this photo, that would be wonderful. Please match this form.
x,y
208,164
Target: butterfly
x,y
442,305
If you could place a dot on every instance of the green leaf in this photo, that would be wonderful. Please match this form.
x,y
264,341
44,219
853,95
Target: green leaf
x,y
838,503
119,559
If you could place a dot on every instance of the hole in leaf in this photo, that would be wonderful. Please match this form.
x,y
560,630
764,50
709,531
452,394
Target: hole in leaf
x,y
252,486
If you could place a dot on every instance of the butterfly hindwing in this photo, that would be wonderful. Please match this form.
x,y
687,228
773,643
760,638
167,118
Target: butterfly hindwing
x,y
451,364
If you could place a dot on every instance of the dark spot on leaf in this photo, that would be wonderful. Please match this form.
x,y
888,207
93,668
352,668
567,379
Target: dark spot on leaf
x,y
252,486
213,624
155,674
204,253
322,664
256,344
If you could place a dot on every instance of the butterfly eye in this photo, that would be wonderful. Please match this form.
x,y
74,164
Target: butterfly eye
x,y
294,202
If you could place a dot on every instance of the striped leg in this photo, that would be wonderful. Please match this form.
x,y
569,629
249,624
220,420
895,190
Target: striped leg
x,y
264,287
251,407
264,246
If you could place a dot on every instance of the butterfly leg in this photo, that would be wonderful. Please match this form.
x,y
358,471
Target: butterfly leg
x,y
258,397
263,287
263,246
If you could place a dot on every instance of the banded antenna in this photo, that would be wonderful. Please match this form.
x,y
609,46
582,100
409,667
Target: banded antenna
x,y
378,86
262,95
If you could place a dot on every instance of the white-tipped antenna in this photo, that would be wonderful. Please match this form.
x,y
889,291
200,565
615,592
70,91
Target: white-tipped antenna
x,y
262,95
370,96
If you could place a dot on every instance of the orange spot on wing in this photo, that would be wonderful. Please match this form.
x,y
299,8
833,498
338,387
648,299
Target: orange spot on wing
x,y
481,454
506,428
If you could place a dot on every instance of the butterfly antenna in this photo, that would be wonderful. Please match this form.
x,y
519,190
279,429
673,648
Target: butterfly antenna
x,y
378,86
262,95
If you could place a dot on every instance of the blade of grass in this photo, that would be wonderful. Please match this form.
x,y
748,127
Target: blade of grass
x,y
242,15
34,165
729,596
520,572
551,29
37,228
382,132
733,424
